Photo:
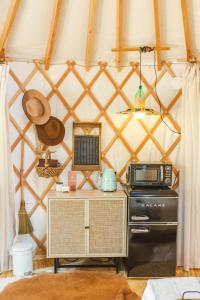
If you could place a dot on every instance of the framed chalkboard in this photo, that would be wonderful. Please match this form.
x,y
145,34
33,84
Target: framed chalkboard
x,y
86,146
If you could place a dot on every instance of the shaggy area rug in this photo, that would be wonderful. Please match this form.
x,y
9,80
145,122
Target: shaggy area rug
x,y
75,285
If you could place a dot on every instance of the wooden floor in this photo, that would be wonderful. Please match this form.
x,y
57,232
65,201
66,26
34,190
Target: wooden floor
x,y
137,285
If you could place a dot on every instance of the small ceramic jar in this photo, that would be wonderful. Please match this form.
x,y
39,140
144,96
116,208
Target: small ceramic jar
x,y
59,186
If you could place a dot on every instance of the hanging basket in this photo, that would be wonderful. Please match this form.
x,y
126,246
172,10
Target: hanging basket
x,y
48,171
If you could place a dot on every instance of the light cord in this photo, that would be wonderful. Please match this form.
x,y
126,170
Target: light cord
x,y
159,102
140,68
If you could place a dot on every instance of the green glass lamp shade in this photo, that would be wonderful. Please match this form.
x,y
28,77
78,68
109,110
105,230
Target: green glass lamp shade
x,y
139,101
139,93
139,104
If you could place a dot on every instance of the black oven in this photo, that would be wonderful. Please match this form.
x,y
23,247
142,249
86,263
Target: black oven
x,y
149,174
152,228
152,250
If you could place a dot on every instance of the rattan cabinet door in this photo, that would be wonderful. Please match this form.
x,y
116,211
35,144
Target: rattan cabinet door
x,y
66,228
107,230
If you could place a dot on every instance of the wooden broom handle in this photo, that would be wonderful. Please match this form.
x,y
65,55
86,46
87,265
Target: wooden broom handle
x,y
22,153
22,173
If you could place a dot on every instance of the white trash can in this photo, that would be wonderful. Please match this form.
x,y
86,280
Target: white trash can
x,y
22,258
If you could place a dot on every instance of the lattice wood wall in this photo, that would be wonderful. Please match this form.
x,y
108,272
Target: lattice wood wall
x,y
69,88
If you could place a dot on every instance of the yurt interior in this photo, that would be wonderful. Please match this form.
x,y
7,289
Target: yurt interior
x,y
99,130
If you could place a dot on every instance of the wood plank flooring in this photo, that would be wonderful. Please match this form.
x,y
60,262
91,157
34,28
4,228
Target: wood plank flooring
x,y
137,285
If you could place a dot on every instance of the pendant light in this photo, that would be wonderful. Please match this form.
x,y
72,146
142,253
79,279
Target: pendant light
x,y
139,110
139,102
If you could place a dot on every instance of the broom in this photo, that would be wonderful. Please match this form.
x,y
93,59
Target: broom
x,y
25,225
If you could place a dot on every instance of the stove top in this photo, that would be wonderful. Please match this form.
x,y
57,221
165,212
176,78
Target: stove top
x,y
150,191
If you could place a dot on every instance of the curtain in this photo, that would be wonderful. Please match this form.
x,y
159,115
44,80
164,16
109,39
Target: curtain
x,y
189,201
7,207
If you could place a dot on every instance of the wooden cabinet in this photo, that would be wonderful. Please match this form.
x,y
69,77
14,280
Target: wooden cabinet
x,y
87,224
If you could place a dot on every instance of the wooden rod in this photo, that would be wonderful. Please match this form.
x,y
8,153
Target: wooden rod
x,y
119,33
157,33
186,29
52,33
191,59
22,154
22,170
129,49
90,34
8,24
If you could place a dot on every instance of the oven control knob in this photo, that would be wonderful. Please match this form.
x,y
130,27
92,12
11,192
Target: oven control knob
x,y
167,180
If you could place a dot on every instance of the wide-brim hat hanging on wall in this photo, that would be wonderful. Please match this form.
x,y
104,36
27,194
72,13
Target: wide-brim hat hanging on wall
x,y
36,107
51,133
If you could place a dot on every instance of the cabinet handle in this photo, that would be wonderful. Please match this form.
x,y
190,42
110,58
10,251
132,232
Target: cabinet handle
x,y
87,227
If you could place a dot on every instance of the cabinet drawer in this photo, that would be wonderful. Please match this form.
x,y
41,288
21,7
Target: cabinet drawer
x,y
107,227
66,228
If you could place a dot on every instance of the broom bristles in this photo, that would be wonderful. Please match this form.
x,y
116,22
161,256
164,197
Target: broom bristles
x,y
25,225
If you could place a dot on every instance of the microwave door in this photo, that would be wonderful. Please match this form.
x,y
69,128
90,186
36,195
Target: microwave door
x,y
150,176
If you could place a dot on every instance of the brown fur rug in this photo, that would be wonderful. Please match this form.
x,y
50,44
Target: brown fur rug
x,y
74,285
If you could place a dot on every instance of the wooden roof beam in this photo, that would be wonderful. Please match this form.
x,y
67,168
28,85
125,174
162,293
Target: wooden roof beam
x,y
8,24
52,33
157,33
90,34
130,49
119,33
186,29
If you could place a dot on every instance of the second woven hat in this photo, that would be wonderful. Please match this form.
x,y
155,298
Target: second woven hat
x,y
51,133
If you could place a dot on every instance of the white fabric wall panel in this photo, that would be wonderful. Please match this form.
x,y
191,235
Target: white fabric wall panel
x,y
118,154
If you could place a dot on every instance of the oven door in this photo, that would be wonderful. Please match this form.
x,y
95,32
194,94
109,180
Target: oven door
x,y
151,250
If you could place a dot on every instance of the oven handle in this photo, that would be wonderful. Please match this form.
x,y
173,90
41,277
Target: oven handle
x,y
145,230
140,218
153,223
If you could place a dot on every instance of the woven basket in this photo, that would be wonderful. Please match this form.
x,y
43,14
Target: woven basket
x,y
48,171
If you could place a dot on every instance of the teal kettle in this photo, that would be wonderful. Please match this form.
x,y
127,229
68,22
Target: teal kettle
x,y
108,181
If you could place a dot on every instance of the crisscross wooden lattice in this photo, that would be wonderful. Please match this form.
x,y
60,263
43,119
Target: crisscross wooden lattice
x,y
71,114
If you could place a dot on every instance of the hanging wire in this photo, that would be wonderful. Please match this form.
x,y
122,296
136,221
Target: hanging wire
x,y
124,66
63,62
140,85
155,89
140,68
109,65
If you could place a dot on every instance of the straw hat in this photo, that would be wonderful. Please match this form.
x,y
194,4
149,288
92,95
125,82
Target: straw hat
x,y
36,107
52,132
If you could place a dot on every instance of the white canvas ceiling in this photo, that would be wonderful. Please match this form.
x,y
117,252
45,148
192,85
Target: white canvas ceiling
x,y
29,35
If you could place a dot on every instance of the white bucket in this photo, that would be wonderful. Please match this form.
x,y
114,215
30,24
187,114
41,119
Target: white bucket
x,y
22,258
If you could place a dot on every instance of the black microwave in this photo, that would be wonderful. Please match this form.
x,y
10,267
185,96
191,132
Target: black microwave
x,y
149,174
